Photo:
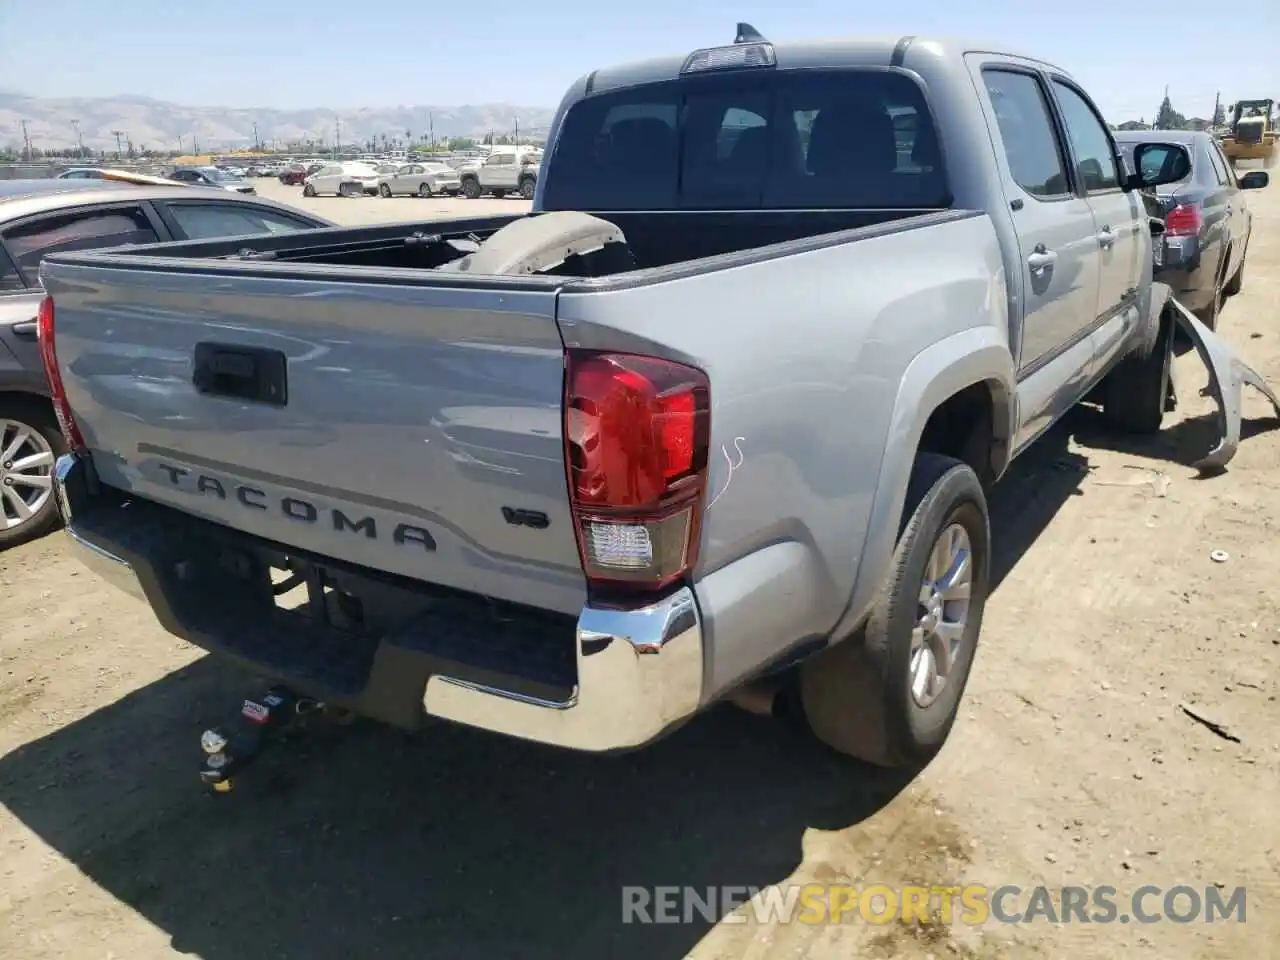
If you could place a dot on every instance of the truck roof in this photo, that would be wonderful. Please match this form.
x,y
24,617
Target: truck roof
x,y
829,53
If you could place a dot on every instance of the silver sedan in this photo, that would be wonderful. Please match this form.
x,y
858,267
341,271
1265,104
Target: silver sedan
x,y
419,179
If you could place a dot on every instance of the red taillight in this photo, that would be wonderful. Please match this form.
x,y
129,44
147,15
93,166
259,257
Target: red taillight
x,y
1183,221
636,436
57,392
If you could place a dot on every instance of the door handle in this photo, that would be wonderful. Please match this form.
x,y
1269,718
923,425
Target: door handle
x,y
1041,258
25,330
1106,237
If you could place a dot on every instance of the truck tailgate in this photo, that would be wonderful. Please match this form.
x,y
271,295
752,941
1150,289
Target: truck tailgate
x,y
412,429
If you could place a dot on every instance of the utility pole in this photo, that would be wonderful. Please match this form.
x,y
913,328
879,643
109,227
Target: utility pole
x,y
256,145
26,142
517,136
118,134
431,121
75,125
337,135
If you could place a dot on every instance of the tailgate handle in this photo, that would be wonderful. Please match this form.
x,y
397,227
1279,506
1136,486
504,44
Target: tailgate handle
x,y
25,330
255,374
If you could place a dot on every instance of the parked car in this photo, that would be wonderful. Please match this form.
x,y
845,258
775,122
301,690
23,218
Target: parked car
x,y
212,177
1207,223
295,173
81,173
40,216
420,179
121,176
507,170
737,514
342,179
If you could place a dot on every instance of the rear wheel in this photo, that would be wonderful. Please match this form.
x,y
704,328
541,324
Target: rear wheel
x,y
308,190
1209,315
424,190
1236,283
471,188
890,695
1135,394
384,190
29,443
527,187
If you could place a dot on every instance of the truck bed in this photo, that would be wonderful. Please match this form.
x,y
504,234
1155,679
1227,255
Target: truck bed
x,y
413,424
656,239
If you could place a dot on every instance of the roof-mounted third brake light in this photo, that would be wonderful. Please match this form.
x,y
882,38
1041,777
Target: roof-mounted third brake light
x,y
749,49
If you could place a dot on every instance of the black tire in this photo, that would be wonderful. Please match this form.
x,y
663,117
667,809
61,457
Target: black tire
x,y
1135,394
1236,283
384,191
33,415
527,187
424,191
471,188
308,190
857,695
1209,315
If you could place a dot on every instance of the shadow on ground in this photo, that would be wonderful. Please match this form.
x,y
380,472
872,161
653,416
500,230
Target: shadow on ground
x,y
1183,442
454,844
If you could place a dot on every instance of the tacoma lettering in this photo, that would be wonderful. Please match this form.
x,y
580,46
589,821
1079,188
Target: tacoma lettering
x,y
293,508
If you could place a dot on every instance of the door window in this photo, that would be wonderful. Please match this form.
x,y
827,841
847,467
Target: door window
x,y
210,221
1031,146
1220,167
1095,156
30,242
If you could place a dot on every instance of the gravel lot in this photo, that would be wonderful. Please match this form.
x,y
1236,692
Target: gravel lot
x,y
1073,762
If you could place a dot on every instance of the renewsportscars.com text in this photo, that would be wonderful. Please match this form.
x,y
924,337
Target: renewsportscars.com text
x,y
972,904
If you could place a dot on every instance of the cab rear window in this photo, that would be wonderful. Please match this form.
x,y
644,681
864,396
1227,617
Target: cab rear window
x,y
773,140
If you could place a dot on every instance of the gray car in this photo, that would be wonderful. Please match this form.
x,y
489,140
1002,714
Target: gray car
x,y
1207,222
41,216
212,177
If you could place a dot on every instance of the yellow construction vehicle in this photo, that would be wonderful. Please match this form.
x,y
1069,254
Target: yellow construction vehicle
x,y
1253,132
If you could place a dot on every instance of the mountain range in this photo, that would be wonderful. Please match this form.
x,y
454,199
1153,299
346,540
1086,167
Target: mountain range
x,y
159,125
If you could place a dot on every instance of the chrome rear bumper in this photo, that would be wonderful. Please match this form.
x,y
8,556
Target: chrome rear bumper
x,y
639,671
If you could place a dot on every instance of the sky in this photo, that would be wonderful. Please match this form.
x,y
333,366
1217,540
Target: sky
x,y
341,53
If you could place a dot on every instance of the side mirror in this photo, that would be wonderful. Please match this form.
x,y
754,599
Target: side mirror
x,y
1157,164
1254,180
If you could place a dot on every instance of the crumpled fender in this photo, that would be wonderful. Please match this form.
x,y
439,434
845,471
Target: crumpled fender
x,y
1227,376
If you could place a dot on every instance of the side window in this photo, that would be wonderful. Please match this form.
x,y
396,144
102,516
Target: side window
x,y
1026,131
1220,166
210,221
10,278
30,242
1090,142
1216,163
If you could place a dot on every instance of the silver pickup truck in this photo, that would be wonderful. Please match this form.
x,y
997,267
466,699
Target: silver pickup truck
x,y
739,441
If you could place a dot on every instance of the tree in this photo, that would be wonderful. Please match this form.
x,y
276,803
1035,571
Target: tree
x,y
1168,118
1219,112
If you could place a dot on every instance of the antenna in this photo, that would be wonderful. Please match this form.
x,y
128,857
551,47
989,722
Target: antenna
x,y
748,34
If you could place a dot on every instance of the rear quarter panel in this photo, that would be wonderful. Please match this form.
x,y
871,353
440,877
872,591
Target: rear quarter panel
x,y
807,355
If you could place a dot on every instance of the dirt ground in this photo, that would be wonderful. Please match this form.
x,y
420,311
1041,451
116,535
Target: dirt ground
x,y
1073,761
